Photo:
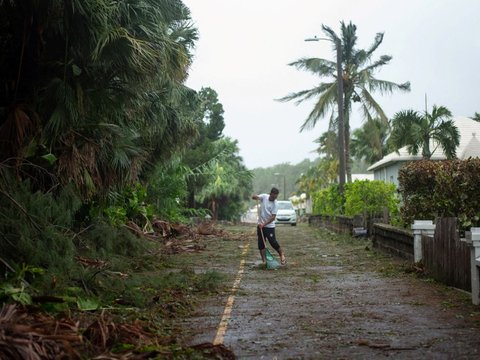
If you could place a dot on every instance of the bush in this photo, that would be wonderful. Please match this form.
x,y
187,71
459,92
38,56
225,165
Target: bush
x,y
167,191
370,198
37,229
362,197
129,205
447,188
327,201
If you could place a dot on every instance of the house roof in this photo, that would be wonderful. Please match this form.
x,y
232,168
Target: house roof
x,y
472,149
469,146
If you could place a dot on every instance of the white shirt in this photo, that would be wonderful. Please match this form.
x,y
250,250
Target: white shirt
x,y
267,209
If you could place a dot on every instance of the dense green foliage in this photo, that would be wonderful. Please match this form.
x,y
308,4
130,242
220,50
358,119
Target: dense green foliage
x,y
99,88
39,230
218,181
328,201
98,132
36,228
100,112
432,189
228,182
362,197
370,198
167,190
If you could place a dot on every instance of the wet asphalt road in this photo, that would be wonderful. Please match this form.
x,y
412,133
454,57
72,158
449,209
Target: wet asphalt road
x,y
335,299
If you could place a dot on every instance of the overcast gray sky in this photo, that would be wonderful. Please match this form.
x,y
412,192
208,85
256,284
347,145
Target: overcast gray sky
x,y
245,46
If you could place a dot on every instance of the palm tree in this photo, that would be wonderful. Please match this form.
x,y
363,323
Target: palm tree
x,y
359,82
97,84
228,180
370,141
327,143
416,130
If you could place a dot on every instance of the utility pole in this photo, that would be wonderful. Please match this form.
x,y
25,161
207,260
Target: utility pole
x,y
284,188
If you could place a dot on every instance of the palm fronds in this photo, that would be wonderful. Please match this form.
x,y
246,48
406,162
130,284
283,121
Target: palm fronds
x,y
102,83
419,131
359,82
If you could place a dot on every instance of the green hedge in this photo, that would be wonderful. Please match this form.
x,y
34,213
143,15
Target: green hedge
x,y
369,198
362,197
327,201
447,188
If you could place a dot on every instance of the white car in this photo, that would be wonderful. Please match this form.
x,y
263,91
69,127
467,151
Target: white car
x,y
286,213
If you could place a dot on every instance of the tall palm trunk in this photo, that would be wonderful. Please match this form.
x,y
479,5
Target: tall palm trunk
x,y
348,162
346,132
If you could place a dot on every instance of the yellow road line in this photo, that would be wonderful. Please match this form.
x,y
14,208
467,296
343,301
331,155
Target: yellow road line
x,y
227,312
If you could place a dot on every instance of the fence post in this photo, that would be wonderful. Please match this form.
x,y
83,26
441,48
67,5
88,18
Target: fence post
x,y
420,227
473,239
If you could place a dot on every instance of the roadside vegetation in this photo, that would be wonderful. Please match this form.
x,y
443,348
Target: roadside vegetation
x,y
105,158
108,161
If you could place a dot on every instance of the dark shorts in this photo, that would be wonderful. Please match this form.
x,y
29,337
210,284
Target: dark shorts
x,y
269,234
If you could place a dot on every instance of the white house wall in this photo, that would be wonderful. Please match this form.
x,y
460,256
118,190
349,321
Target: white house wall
x,y
389,174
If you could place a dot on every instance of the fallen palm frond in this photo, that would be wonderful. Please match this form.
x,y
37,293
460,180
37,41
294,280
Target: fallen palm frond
x,y
28,334
37,336
176,237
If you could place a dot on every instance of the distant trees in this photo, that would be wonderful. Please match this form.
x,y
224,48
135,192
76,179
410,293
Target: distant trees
x,y
218,180
208,117
265,178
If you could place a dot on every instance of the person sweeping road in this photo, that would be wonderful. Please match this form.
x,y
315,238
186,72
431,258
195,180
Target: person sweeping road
x,y
266,224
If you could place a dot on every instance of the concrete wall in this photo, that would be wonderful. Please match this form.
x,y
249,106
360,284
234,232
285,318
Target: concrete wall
x,y
393,240
338,224
384,237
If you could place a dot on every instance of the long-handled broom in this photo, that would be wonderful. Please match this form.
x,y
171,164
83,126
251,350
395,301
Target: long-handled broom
x,y
272,263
